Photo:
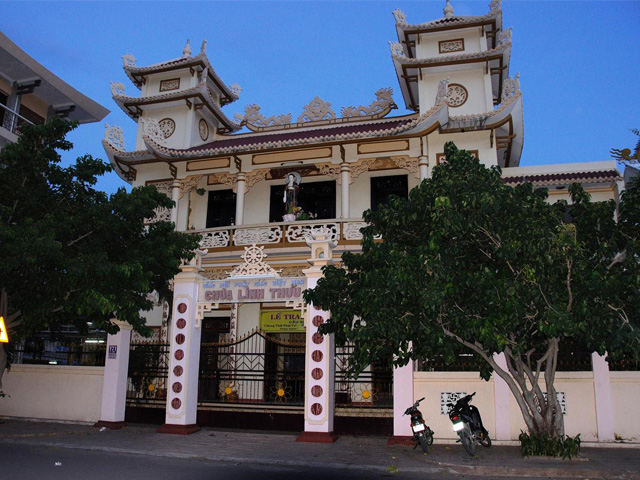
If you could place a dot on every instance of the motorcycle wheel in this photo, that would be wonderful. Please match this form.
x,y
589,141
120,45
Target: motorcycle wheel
x,y
485,440
468,442
429,437
424,444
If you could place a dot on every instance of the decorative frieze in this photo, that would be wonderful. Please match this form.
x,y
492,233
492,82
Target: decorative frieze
x,y
216,239
407,163
449,46
300,233
171,84
251,236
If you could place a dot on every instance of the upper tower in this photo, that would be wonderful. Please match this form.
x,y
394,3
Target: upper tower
x,y
472,53
180,100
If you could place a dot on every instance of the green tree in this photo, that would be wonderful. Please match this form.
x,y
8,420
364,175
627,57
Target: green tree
x,y
470,264
71,254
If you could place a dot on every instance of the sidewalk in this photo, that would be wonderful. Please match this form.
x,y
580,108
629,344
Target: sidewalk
x,y
348,452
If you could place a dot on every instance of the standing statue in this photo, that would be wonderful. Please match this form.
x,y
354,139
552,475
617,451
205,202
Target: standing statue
x,y
291,193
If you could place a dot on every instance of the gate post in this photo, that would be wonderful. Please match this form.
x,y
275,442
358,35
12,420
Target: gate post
x,y
319,369
403,395
114,384
184,360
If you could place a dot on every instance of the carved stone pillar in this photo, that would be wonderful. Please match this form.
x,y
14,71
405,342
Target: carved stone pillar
x,y
184,359
423,166
241,187
175,196
319,397
345,180
604,405
114,384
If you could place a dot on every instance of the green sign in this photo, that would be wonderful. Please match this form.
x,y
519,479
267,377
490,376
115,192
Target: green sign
x,y
281,321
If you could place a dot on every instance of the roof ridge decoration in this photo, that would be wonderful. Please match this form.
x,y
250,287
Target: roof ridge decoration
x,y
511,87
128,60
448,10
118,89
443,91
317,111
186,51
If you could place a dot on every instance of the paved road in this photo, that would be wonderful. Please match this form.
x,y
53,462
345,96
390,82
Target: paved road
x,y
29,462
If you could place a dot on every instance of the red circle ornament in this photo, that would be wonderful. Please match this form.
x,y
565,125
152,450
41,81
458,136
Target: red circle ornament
x,y
182,307
317,373
180,338
176,387
316,390
175,403
178,371
316,409
181,323
317,338
317,356
317,320
179,355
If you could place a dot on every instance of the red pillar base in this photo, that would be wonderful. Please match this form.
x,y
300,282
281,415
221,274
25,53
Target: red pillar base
x,y
317,437
401,440
178,429
110,425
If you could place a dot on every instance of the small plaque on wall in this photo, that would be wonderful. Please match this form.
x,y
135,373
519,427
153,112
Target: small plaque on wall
x,y
171,84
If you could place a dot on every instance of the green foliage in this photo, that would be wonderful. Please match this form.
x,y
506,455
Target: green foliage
x,y
70,253
470,264
544,445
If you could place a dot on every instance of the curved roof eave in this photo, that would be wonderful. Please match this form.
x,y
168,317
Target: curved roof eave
x,y
178,63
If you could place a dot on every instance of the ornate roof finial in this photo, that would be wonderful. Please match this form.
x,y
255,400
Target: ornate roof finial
x,y
128,60
448,10
203,47
186,52
401,18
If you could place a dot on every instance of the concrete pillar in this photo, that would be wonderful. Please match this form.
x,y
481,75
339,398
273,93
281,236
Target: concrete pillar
x,y
175,196
345,180
116,372
604,405
184,359
319,398
423,167
403,397
241,188
502,402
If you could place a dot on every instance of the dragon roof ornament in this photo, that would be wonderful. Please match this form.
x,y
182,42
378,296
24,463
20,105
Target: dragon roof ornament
x,y
443,90
317,111
401,18
114,136
504,36
511,87
396,49
128,60
153,131
117,89
495,5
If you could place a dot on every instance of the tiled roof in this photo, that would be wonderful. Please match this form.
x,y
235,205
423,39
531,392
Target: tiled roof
x,y
565,177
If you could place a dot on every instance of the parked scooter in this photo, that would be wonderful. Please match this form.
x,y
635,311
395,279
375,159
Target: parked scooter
x,y
421,431
468,424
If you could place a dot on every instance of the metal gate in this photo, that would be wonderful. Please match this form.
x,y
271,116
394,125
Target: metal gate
x,y
258,369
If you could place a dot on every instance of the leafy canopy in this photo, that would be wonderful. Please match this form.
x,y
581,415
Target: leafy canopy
x,y
71,254
469,263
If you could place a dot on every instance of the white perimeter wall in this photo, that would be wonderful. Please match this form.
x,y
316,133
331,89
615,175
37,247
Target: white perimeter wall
x,y
53,392
578,388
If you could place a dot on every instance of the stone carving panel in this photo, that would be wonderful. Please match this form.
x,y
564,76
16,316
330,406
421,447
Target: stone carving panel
x,y
300,233
249,236
217,239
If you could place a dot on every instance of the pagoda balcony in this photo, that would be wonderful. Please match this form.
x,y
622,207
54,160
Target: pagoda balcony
x,y
10,121
287,235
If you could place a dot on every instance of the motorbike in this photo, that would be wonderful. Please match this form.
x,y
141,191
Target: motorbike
x,y
467,423
421,431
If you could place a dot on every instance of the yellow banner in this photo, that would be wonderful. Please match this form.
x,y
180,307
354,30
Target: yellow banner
x,y
282,321
4,336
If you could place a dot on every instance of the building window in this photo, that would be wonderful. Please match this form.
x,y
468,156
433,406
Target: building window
x,y
318,198
221,208
383,187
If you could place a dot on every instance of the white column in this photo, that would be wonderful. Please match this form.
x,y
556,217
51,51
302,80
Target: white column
x,y
423,166
184,360
604,405
241,186
345,180
501,402
175,196
403,396
114,385
319,397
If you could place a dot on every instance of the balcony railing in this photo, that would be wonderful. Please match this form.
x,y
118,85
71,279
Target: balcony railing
x,y
280,234
11,120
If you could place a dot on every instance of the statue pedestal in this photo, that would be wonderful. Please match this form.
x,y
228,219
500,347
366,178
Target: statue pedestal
x,y
289,217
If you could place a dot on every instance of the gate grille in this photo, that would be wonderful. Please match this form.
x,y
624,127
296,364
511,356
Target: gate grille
x,y
257,369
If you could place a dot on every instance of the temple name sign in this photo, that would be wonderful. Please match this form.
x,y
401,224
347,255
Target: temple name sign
x,y
252,290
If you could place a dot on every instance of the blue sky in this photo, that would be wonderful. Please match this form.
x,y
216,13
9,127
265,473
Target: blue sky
x,y
578,60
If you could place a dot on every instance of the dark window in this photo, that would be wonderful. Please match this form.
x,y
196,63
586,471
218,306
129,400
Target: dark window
x,y
318,198
30,115
221,209
383,187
